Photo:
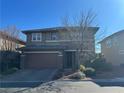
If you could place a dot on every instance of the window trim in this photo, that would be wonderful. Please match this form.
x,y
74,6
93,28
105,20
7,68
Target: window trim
x,y
109,43
54,35
36,37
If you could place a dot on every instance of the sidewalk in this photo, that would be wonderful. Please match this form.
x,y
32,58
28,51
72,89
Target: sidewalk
x,y
68,86
76,87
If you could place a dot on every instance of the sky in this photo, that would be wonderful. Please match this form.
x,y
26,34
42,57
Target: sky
x,y
32,14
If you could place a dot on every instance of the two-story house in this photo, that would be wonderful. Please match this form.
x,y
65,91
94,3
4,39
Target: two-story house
x,y
112,47
47,48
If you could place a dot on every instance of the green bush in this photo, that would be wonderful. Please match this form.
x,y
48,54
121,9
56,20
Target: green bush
x,y
10,71
99,64
90,72
86,71
8,60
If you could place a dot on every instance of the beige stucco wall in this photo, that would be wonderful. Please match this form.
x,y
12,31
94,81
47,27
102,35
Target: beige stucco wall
x,y
115,52
9,45
89,40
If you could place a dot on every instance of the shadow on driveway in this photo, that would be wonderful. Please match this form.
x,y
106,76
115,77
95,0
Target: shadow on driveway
x,y
27,78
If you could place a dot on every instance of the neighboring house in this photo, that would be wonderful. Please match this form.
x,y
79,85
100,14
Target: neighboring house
x,y
112,48
46,48
8,42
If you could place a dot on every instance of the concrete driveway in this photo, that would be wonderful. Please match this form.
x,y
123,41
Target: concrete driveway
x,y
28,78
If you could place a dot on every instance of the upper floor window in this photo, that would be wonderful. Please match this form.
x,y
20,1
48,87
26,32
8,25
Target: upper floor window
x,y
54,36
115,41
36,36
109,43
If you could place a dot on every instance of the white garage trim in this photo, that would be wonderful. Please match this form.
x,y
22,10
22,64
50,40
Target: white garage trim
x,y
42,52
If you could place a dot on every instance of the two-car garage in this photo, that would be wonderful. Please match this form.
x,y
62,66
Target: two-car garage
x,y
41,60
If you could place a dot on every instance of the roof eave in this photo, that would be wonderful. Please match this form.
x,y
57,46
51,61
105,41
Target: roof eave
x,y
52,29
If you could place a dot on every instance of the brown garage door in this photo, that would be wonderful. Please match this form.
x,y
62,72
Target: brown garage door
x,y
41,60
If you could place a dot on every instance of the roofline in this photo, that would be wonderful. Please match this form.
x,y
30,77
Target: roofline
x,y
51,29
121,31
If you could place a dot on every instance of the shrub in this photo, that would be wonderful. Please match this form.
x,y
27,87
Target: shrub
x,y
8,60
82,68
99,64
121,65
10,71
90,72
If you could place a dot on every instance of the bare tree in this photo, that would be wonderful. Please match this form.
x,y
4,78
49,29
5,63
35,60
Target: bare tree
x,y
9,35
76,31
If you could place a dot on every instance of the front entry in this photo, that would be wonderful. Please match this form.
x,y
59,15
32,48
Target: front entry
x,y
69,59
